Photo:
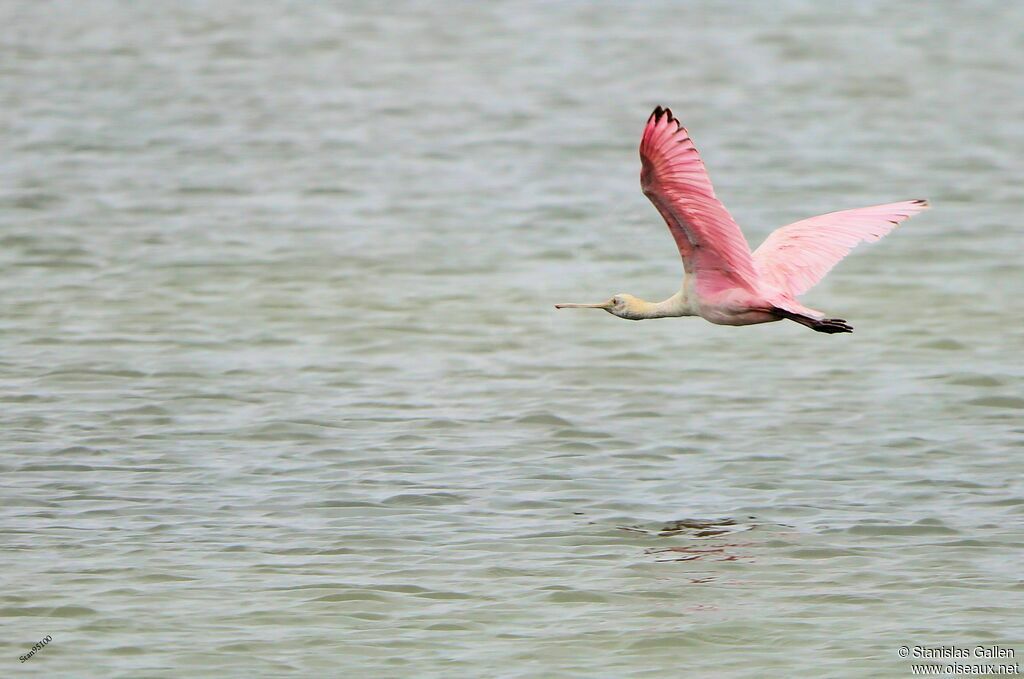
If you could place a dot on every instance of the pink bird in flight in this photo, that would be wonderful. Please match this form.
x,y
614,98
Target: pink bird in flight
x,y
724,282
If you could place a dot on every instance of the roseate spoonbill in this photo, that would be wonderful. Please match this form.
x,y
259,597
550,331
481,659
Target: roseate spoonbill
x,y
723,282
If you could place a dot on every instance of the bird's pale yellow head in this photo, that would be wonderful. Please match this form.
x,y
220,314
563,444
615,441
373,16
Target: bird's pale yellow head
x,y
621,305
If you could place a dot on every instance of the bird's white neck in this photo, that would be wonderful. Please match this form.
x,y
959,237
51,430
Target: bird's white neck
x,y
676,305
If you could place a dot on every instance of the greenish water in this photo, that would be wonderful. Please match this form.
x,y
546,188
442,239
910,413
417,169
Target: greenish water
x,y
284,392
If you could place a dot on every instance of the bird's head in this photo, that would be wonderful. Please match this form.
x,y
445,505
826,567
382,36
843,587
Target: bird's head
x,y
621,305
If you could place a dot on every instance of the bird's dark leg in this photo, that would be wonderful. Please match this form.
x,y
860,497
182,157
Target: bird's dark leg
x,y
831,326
828,325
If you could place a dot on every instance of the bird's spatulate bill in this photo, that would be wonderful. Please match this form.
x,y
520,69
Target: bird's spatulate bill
x,y
602,305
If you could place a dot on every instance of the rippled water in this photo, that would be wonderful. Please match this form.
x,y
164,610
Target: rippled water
x,y
284,391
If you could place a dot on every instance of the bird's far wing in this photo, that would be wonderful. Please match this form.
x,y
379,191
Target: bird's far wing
x,y
795,257
674,178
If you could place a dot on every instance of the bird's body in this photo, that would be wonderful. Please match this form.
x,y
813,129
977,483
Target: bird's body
x,y
724,282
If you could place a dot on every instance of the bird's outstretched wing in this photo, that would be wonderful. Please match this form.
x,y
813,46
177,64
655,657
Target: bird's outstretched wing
x,y
674,178
795,257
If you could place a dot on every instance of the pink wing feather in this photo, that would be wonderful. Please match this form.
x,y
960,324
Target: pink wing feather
x,y
674,179
795,257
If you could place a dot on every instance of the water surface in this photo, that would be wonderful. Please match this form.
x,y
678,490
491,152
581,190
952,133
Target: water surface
x,y
284,392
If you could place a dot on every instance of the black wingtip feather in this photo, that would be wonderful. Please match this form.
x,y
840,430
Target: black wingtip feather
x,y
660,111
